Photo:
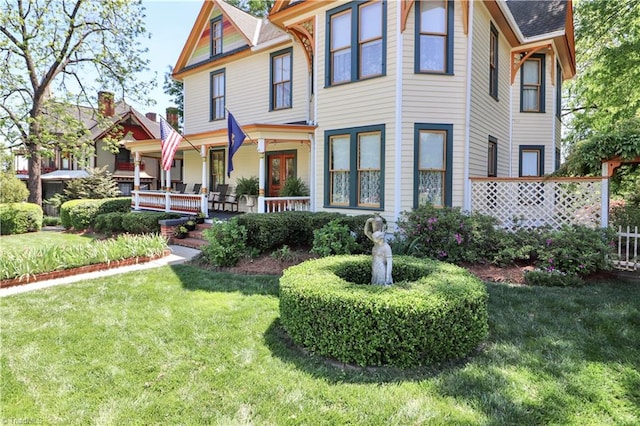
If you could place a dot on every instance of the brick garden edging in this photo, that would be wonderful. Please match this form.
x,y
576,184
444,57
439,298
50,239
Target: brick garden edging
x,y
80,270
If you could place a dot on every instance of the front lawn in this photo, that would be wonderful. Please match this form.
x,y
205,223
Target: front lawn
x,y
21,242
185,346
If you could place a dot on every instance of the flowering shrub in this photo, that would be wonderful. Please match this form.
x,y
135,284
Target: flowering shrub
x,y
446,234
551,277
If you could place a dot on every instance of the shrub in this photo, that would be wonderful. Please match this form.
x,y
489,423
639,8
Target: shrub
x,y
109,223
19,218
98,185
50,221
333,238
625,215
294,187
145,222
113,205
517,245
82,214
12,189
435,312
446,234
227,243
549,278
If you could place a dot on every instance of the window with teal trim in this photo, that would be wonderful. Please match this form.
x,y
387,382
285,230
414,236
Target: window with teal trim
x,y
532,87
354,167
356,42
434,36
217,95
432,164
531,160
493,62
216,36
558,91
280,80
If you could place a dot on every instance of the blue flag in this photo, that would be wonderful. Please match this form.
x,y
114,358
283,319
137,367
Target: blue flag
x,y
236,137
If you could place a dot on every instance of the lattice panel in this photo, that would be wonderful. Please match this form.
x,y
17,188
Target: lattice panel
x,y
534,203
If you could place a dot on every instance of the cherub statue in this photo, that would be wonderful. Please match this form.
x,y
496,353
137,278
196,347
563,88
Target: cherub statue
x,y
382,262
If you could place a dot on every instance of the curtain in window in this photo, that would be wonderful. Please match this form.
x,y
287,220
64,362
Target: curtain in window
x,y
369,169
433,30
530,85
340,176
341,47
431,168
371,39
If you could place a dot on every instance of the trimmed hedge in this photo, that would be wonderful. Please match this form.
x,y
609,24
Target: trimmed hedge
x,y
435,312
81,214
131,222
20,218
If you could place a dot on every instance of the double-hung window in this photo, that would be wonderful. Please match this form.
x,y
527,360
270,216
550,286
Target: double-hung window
x,y
493,62
217,95
558,91
216,36
356,42
355,167
434,36
433,163
281,79
531,160
532,84
492,157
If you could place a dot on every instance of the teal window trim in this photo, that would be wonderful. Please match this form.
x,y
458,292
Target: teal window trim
x,y
558,91
449,41
558,158
355,57
526,148
448,179
272,104
212,111
493,157
212,52
494,53
541,94
353,133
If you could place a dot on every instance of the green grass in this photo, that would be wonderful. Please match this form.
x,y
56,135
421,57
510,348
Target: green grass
x,y
22,242
185,346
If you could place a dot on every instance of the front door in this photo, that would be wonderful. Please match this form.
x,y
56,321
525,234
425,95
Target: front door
x,y
281,166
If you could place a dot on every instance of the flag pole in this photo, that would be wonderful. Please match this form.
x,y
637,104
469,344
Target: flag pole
x,y
183,136
245,133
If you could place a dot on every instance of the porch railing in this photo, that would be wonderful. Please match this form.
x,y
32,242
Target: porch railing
x,y
628,258
286,204
535,202
169,202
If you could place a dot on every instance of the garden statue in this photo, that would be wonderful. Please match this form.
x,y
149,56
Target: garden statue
x,y
382,262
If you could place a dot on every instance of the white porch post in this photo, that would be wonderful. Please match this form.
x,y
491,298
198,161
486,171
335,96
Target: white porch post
x,y
204,208
261,174
604,193
136,181
162,185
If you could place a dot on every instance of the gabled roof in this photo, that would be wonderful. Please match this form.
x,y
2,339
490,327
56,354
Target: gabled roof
x,y
254,30
539,17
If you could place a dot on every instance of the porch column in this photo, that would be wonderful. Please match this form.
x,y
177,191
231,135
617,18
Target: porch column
x,y
168,180
204,207
261,174
136,181
604,193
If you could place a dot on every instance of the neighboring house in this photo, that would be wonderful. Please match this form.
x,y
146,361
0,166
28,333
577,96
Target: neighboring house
x,y
125,123
378,105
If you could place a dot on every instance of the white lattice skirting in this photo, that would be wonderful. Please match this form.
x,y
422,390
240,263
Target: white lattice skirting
x,y
535,202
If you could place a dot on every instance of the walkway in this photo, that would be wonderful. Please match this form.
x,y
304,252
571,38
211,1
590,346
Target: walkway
x,y
178,255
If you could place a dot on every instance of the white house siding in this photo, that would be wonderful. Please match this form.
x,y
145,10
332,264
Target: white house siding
x,y
192,168
531,128
434,99
488,116
246,92
357,104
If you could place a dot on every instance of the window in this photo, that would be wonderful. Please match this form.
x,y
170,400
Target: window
x,y
65,161
558,158
354,167
532,84
558,91
531,160
433,163
493,62
356,42
434,37
216,36
280,80
217,95
492,157
217,158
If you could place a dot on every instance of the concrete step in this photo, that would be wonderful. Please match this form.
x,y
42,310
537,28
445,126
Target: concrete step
x,y
195,243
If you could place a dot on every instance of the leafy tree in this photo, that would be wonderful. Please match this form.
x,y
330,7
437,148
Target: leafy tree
x,y
73,48
12,189
258,8
174,88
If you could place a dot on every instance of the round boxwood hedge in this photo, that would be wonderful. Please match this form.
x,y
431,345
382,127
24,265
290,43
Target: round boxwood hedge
x,y
435,311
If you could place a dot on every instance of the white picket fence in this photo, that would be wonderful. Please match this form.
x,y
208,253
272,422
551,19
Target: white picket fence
x,y
627,253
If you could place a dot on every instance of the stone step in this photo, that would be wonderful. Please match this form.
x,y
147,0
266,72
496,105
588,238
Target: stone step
x,y
195,243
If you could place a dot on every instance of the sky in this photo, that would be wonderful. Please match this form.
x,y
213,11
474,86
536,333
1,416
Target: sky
x,y
169,23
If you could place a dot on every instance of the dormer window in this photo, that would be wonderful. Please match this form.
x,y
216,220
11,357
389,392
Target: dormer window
x,y
216,36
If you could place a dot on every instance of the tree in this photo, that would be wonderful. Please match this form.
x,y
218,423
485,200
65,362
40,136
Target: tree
x,y
72,48
259,8
174,88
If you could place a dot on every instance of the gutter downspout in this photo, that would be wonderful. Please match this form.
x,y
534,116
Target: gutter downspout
x,y
467,131
314,138
398,118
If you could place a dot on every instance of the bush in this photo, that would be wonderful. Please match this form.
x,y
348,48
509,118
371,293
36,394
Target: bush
x,y
82,214
227,243
12,189
333,238
145,222
50,221
109,223
551,278
446,234
435,312
19,218
626,215
294,187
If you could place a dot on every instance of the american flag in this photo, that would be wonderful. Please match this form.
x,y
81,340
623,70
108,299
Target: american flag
x,y
170,141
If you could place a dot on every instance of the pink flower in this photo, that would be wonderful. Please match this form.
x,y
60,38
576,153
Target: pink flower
x,y
458,238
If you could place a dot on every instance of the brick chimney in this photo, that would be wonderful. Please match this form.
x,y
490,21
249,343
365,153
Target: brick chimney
x,y
106,104
151,116
173,117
